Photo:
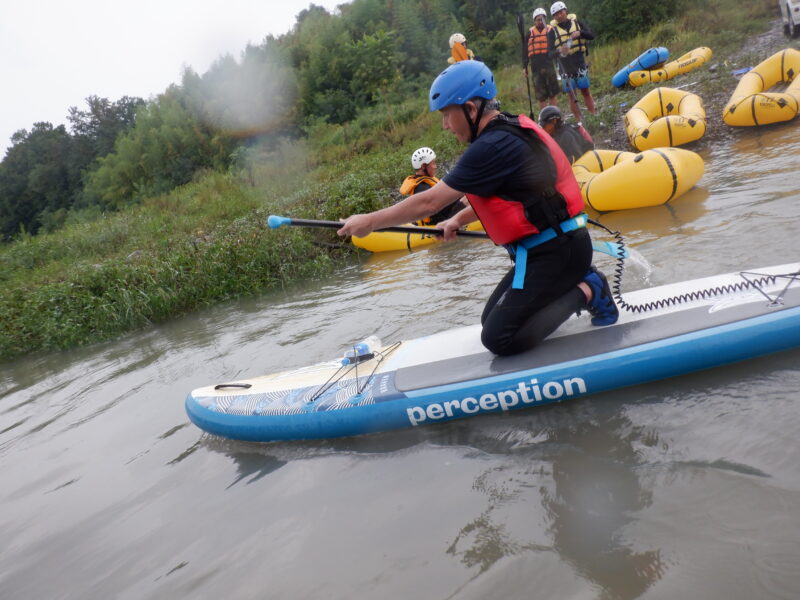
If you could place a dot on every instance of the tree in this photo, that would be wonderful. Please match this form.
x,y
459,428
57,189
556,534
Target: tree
x,y
373,64
35,178
169,143
412,41
95,130
324,78
612,20
365,16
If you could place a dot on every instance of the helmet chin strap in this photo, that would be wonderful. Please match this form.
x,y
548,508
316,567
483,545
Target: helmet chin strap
x,y
473,125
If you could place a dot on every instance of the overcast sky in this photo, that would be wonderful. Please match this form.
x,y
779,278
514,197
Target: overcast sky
x,y
54,53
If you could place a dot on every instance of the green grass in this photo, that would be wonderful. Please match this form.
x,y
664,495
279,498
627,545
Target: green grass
x,y
201,244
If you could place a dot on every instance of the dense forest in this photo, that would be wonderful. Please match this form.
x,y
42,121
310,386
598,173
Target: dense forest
x,y
327,69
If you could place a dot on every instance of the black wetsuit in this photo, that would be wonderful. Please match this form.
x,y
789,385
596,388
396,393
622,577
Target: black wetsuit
x,y
571,141
499,163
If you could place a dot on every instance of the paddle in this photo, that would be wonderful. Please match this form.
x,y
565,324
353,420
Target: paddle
x,y
274,222
521,27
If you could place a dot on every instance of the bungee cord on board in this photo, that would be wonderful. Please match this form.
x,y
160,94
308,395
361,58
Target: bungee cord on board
x,y
752,281
350,363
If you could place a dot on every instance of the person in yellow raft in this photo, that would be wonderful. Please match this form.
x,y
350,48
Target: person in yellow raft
x,y
423,161
459,50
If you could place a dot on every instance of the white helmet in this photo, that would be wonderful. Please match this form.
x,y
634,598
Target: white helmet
x,y
457,37
557,6
539,11
422,156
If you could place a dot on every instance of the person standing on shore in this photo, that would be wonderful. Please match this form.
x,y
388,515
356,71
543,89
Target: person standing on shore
x,y
545,82
567,45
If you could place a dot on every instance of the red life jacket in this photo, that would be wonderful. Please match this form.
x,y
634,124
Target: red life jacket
x,y
537,41
507,221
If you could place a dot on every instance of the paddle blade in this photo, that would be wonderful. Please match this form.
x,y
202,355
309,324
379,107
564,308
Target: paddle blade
x,y
610,248
274,221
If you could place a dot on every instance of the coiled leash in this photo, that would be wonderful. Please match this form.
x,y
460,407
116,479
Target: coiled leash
x,y
752,281
350,363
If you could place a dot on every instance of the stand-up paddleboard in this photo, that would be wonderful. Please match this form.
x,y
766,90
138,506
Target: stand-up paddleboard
x,y
662,332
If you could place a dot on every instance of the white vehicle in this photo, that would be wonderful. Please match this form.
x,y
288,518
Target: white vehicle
x,y
790,13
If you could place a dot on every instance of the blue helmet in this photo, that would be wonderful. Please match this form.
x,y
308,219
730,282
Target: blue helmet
x,y
461,82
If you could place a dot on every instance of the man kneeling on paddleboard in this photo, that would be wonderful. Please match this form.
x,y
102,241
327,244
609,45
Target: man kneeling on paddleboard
x,y
520,185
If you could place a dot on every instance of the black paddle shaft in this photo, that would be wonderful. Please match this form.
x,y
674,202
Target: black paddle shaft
x,y
396,229
521,27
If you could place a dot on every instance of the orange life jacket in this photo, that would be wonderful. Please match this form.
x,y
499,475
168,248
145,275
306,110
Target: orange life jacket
x,y
459,52
411,182
537,42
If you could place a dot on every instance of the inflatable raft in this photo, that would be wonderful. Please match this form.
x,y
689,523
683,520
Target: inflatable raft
x,y
677,329
646,60
751,103
665,117
611,180
683,64
388,241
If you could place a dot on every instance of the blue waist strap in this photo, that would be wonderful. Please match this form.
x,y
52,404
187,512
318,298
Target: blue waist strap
x,y
521,247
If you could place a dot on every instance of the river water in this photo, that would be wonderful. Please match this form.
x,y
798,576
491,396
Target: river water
x,y
683,488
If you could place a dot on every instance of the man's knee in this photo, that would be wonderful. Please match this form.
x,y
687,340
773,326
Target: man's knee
x,y
494,343
501,345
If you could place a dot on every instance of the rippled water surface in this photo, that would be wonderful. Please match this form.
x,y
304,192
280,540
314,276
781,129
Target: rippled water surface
x,y
686,488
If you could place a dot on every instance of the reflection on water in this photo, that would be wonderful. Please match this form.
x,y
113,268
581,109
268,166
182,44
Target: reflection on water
x,y
252,467
643,224
596,493
584,467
